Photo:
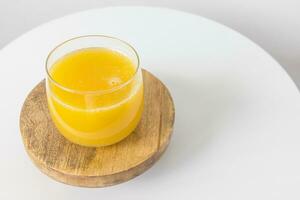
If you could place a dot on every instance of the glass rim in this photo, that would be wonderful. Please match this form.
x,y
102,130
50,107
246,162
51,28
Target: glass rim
x,y
100,91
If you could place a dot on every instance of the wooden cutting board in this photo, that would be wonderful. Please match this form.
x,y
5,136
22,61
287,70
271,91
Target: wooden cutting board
x,y
103,166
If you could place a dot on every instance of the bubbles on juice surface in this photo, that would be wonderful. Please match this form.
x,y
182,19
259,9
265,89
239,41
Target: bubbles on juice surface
x,y
114,81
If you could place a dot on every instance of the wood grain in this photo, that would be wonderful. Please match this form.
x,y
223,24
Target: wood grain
x,y
103,166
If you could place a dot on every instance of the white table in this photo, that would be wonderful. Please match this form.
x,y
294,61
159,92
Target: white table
x,y
237,130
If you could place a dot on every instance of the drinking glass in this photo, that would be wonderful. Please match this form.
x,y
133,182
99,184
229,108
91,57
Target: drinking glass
x,y
95,117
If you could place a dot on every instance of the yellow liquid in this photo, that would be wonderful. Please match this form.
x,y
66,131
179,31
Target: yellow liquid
x,y
101,100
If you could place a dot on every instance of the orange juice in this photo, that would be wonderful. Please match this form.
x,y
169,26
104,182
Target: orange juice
x,y
95,96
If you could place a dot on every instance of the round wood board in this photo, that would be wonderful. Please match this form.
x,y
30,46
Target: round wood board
x,y
103,166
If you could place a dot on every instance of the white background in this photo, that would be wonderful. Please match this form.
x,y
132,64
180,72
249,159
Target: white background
x,y
273,24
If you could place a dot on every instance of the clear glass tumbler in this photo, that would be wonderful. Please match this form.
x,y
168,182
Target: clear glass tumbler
x,y
92,117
